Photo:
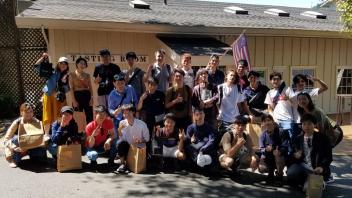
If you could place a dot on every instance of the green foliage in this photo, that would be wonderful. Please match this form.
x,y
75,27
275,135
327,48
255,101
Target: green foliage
x,y
7,107
345,9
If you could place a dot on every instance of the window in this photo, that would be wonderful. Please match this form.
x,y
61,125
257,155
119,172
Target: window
x,y
307,70
344,81
263,74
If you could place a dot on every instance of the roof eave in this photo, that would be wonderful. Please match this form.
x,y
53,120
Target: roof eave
x,y
33,22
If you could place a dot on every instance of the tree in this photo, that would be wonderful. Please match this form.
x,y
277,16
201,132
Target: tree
x,y
345,9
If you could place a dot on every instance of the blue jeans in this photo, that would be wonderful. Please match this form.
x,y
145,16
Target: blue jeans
x,y
37,153
292,130
93,153
53,149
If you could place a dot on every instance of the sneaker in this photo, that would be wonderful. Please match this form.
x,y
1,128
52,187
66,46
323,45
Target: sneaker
x,y
121,169
12,164
330,180
46,137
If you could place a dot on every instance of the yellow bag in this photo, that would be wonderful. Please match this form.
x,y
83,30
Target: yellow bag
x,y
69,157
80,118
30,135
315,186
137,159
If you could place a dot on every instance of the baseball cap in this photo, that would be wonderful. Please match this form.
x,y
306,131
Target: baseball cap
x,y
62,59
67,109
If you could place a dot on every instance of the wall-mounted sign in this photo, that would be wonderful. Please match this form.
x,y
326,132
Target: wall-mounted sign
x,y
96,59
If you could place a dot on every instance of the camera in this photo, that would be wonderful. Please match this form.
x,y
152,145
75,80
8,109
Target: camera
x,y
60,96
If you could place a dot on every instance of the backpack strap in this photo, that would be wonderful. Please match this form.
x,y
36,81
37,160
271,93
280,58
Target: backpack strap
x,y
134,75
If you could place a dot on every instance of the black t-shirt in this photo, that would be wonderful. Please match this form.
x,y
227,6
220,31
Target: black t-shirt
x,y
154,105
256,98
106,73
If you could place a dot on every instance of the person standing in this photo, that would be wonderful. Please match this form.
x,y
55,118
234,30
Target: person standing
x,y
161,71
104,76
134,75
81,90
216,76
230,98
187,68
205,96
178,100
55,90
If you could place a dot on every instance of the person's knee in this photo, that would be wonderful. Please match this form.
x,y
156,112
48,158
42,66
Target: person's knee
x,y
225,161
262,168
180,155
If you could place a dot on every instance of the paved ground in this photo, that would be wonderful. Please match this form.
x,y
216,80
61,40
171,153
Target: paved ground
x,y
33,180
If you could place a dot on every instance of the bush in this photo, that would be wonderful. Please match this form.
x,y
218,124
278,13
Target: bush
x,y
7,107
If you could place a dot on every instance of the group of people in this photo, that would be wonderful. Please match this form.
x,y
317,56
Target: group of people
x,y
198,117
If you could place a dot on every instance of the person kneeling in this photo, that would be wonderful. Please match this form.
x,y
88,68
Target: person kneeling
x,y
64,131
133,132
311,153
13,152
100,137
200,144
236,148
170,142
273,150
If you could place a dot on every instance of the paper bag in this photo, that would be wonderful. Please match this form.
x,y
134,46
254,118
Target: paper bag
x,y
69,157
30,135
137,159
315,186
254,131
80,118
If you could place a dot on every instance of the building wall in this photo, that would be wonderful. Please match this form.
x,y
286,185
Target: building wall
x,y
285,53
266,52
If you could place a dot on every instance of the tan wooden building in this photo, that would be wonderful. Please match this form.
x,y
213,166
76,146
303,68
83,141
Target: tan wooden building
x,y
288,40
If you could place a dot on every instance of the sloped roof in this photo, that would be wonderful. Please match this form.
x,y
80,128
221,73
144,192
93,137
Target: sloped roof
x,y
180,13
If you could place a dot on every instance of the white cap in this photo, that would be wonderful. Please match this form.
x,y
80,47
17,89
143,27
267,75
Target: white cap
x,y
63,59
203,160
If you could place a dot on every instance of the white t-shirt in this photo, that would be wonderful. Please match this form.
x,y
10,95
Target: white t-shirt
x,y
293,97
231,96
283,108
189,78
138,130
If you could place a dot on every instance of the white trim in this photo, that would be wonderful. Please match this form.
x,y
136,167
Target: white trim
x,y
339,79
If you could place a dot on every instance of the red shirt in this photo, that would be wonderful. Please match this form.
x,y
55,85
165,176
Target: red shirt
x,y
103,134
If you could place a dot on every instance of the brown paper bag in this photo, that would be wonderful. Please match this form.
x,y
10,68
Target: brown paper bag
x,y
254,131
30,135
69,157
137,159
80,118
315,186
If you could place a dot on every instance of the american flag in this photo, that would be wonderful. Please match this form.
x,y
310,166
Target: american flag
x,y
240,50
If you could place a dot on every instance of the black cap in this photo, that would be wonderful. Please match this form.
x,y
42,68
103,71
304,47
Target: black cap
x,y
100,109
253,73
104,52
119,77
67,109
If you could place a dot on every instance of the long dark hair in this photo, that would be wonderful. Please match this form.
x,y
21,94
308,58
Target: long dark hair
x,y
311,105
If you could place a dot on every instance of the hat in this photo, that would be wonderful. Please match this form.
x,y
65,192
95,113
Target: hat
x,y
104,52
253,73
62,59
119,77
100,109
67,109
203,160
